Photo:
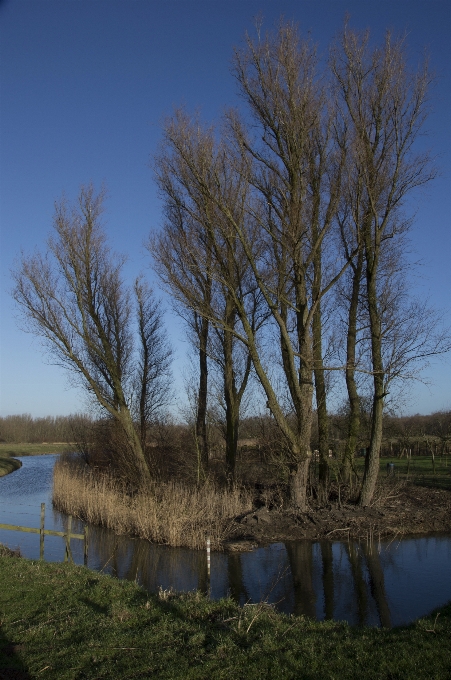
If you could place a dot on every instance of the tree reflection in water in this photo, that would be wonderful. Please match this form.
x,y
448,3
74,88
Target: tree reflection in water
x,y
235,577
377,582
300,557
360,585
324,580
154,566
328,578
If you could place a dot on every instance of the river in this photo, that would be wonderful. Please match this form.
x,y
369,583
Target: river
x,y
387,583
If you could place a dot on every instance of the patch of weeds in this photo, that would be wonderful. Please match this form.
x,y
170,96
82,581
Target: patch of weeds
x,y
8,552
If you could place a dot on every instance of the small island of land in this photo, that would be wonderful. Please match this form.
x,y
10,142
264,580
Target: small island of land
x,y
414,498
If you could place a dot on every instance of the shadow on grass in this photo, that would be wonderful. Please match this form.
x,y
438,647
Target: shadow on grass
x,y
11,665
97,608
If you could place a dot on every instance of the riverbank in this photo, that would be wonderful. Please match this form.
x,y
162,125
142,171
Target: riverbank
x,y
64,622
11,449
400,509
8,465
242,519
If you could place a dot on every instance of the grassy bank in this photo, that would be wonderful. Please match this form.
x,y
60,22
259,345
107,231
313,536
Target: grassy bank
x,y
8,465
63,622
168,513
7,450
421,470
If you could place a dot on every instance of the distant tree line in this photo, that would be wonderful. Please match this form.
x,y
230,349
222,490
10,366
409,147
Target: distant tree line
x,y
24,429
415,433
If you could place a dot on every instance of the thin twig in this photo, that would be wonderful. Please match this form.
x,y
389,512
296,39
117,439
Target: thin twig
x,y
432,630
331,532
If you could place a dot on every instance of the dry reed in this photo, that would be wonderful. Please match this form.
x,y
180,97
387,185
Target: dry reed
x,y
169,513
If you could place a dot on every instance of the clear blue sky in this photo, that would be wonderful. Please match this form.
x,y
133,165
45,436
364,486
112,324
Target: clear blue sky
x,y
85,85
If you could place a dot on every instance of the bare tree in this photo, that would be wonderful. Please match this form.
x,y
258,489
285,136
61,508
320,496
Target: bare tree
x,y
75,300
177,266
259,210
266,209
203,270
384,105
349,297
295,170
152,392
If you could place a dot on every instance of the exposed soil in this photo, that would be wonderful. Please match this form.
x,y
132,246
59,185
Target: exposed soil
x,y
399,511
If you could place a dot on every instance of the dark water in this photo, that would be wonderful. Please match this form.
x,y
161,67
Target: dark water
x,y
387,584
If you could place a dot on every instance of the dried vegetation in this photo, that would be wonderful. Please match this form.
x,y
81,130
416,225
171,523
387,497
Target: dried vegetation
x,y
169,512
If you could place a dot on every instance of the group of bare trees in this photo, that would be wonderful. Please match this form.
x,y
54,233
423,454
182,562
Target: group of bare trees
x,y
283,248
294,207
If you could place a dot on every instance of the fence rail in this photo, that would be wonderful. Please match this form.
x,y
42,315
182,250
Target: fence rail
x,y
67,535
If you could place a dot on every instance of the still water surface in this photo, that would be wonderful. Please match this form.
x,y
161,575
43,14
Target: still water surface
x,y
387,584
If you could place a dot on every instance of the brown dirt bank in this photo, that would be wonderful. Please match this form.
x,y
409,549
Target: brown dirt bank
x,y
408,510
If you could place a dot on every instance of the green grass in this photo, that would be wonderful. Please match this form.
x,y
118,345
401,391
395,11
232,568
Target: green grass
x,y
8,465
420,470
60,621
7,450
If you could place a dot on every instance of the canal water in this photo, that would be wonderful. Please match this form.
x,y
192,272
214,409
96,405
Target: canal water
x,y
387,583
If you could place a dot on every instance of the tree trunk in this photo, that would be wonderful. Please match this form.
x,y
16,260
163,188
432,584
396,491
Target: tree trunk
x,y
354,399
232,425
318,370
321,403
201,418
373,454
232,399
300,450
133,440
298,484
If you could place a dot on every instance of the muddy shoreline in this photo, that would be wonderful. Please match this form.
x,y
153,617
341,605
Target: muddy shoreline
x,y
409,511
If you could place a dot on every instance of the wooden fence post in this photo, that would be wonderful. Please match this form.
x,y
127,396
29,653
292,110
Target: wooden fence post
x,y
68,554
67,535
41,532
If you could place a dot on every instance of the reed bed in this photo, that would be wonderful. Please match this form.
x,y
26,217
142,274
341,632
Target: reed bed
x,y
168,513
